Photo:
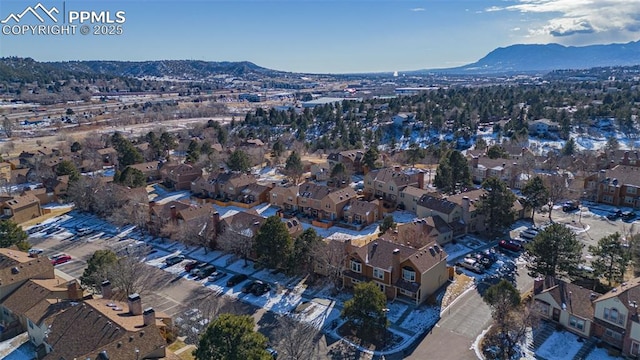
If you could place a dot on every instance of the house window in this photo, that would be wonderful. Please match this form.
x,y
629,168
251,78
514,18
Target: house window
x,y
274,195
607,198
406,292
356,266
378,273
631,190
355,281
408,274
613,334
634,348
577,323
628,200
391,188
7,212
543,307
613,316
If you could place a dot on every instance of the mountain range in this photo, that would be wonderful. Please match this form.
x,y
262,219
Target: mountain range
x,y
548,57
511,59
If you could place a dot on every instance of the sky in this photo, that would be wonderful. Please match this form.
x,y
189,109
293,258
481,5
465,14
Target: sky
x,y
317,36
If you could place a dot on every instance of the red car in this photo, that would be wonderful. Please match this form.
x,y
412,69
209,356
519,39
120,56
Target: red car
x,y
60,259
510,245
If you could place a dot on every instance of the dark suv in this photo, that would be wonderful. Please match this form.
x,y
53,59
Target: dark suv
x,y
236,279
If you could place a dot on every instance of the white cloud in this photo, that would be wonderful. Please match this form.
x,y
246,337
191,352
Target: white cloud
x,y
418,9
565,18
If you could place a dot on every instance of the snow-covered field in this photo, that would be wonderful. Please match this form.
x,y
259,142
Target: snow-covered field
x,y
560,345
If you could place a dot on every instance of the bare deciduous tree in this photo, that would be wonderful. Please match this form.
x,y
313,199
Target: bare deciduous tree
x,y
131,275
330,261
297,340
558,190
236,240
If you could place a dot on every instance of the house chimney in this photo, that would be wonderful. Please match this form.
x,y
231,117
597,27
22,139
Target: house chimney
x,y
395,267
174,212
465,204
149,316
216,222
538,286
106,289
397,168
135,304
421,183
273,185
74,292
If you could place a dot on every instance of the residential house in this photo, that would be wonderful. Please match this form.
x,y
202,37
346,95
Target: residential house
x,y
387,184
222,185
361,213
151,170
20,176
171,216
431,206
409,197
310,196
619,186
333,204
106,329
420,232
109,156
57,187
20,208
253,194
352,160
321,171
284,197
565,304
616,319
26,308
483,168
180,176
400,271
16,268
403,119
543,126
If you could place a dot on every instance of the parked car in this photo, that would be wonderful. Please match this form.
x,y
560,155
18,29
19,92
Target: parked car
x,y
83,231
570,206
260,288
236,279
217,275
249,286
205,271
172,260
510,245
615,215
33,252
491,255
190,265
471,264
196,269
628,216
60,259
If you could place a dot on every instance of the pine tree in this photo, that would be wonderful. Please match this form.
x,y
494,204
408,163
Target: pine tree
x,y
535,193
496,205
611,258
554,251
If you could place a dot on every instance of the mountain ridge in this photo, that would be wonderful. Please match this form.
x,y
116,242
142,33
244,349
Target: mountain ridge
x,y
548,57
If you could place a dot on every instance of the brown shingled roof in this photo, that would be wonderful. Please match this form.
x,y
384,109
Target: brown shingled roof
x,y
577,299
380,253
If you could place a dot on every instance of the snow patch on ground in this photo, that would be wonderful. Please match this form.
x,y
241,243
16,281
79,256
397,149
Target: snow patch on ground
x,y
421,318
600,354
559,346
